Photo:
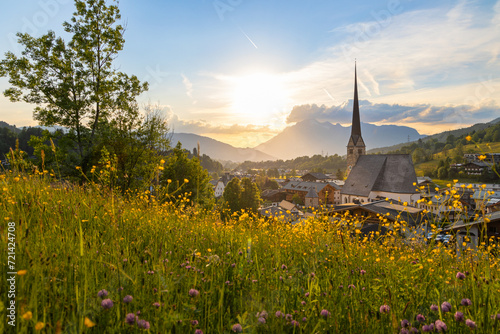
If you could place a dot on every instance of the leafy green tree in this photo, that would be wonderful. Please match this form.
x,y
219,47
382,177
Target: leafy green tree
x,y
137,143
232,195
75,84
188,174
250,195
7,141
339,175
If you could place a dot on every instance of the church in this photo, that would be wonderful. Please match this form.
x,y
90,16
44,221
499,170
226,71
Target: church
x,y
375,177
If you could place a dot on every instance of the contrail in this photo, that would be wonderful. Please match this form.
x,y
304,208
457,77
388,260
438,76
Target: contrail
x,y
327,93
248,38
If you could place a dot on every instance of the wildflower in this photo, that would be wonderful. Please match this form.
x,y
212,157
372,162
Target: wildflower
x,y
279,314
434,308
107,304
307,294
186,180
88,323
288,317
193,292
156,304
263,314
446,307
459,316
22,272
28,315
237,328
261,320
466,302
194,322
304,319
127,299
460,275
471,324
198,331
468,138
324,313
481,157
130,318
405,323
362,272
143,324
384,309
295,323
303,303
404,331
441,326
103,293
283,267
351,286
39,325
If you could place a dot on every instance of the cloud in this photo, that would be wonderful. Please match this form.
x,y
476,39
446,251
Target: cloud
x,y
189,87
396,113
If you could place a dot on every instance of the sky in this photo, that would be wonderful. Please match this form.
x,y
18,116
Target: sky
x,y
240,71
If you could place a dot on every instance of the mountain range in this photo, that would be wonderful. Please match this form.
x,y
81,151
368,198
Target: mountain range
x,y
310,137
218,150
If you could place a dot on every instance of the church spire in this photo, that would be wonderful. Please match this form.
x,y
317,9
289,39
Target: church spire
x,y
356,145
356,126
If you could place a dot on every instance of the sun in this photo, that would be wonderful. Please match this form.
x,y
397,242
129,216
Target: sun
x,y
257,98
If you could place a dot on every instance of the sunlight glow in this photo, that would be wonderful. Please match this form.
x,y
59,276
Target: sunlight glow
x,y
259,97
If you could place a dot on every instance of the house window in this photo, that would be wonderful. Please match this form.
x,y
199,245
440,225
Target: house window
x,y
360,151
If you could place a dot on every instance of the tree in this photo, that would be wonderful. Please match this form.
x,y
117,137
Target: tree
x,y
74,84
250,195
242,194
340,174
232,194
187,174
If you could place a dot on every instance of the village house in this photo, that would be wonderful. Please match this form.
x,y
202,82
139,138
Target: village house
x,y
326,192
314,177
474,232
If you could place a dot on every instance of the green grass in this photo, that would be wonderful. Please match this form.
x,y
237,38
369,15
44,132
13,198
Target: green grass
x,y
75,241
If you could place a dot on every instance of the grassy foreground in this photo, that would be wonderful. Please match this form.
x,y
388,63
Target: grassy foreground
x,y
89,260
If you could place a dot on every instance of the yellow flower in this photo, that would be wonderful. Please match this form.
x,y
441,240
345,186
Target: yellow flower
x,y
22,272
169,181
39,325
28,315
455,181
161,168
482,157
162,161
468,138
89,323
186,180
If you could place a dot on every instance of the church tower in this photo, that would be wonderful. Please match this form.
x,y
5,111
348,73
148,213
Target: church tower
x,y
356,145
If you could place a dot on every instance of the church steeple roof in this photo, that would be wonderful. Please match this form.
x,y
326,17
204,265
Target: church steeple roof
x,y
356,125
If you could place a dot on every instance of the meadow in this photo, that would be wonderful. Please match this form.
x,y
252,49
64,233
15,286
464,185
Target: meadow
x,y
89,259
